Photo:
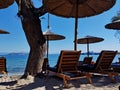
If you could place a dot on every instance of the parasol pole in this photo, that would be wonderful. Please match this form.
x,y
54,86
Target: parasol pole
x,y
87,47
76,26
47,46
47,35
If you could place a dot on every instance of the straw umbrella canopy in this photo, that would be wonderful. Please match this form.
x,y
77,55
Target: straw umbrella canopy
x,y
5,3
88,40
114,25
77,9
51,36
3,32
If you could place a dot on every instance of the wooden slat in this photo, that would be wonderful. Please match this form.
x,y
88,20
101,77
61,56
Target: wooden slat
x,y
2,65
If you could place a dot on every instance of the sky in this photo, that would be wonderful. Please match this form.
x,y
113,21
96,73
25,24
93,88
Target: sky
x,y
94,26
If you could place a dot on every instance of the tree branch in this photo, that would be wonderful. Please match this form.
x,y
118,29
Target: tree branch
x,y
40,11
36,11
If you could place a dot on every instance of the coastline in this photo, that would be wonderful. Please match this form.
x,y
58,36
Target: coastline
x,y
16,62
13,81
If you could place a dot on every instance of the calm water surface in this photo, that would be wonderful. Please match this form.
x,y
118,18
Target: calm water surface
x,y
16,62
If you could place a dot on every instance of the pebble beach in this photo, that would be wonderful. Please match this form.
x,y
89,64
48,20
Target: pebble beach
x,y
54,83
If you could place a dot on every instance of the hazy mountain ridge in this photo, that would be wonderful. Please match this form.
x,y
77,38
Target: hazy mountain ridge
x,y
26,53
14,53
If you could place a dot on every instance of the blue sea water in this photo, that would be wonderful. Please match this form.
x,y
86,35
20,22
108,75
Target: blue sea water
x,y
16,63
53,58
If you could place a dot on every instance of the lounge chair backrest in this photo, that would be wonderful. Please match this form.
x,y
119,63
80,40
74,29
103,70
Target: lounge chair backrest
x,y
68,61
105,59
3,68
87,60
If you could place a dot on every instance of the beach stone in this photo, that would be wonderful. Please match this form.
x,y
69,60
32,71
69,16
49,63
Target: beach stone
x,y
28,80
83,87
53,83
2,87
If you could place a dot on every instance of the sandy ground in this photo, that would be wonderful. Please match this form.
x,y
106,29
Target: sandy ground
x,y
54,83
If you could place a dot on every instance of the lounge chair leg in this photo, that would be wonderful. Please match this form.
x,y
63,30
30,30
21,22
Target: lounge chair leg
x,y
111,77
65,81
88,75
47,72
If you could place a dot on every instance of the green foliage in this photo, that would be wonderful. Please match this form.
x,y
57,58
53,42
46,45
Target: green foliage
x,y
116,17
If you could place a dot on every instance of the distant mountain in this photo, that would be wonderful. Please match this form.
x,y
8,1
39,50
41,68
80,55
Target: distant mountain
x,y
91,53
26,53
17,53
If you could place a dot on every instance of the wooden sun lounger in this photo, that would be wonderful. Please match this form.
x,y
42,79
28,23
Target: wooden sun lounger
x,y
3,69
102,64
66,67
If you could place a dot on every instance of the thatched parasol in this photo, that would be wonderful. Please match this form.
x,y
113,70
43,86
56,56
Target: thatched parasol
x,y
77,9
5,3
51,36
3,32
114,25
88,40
